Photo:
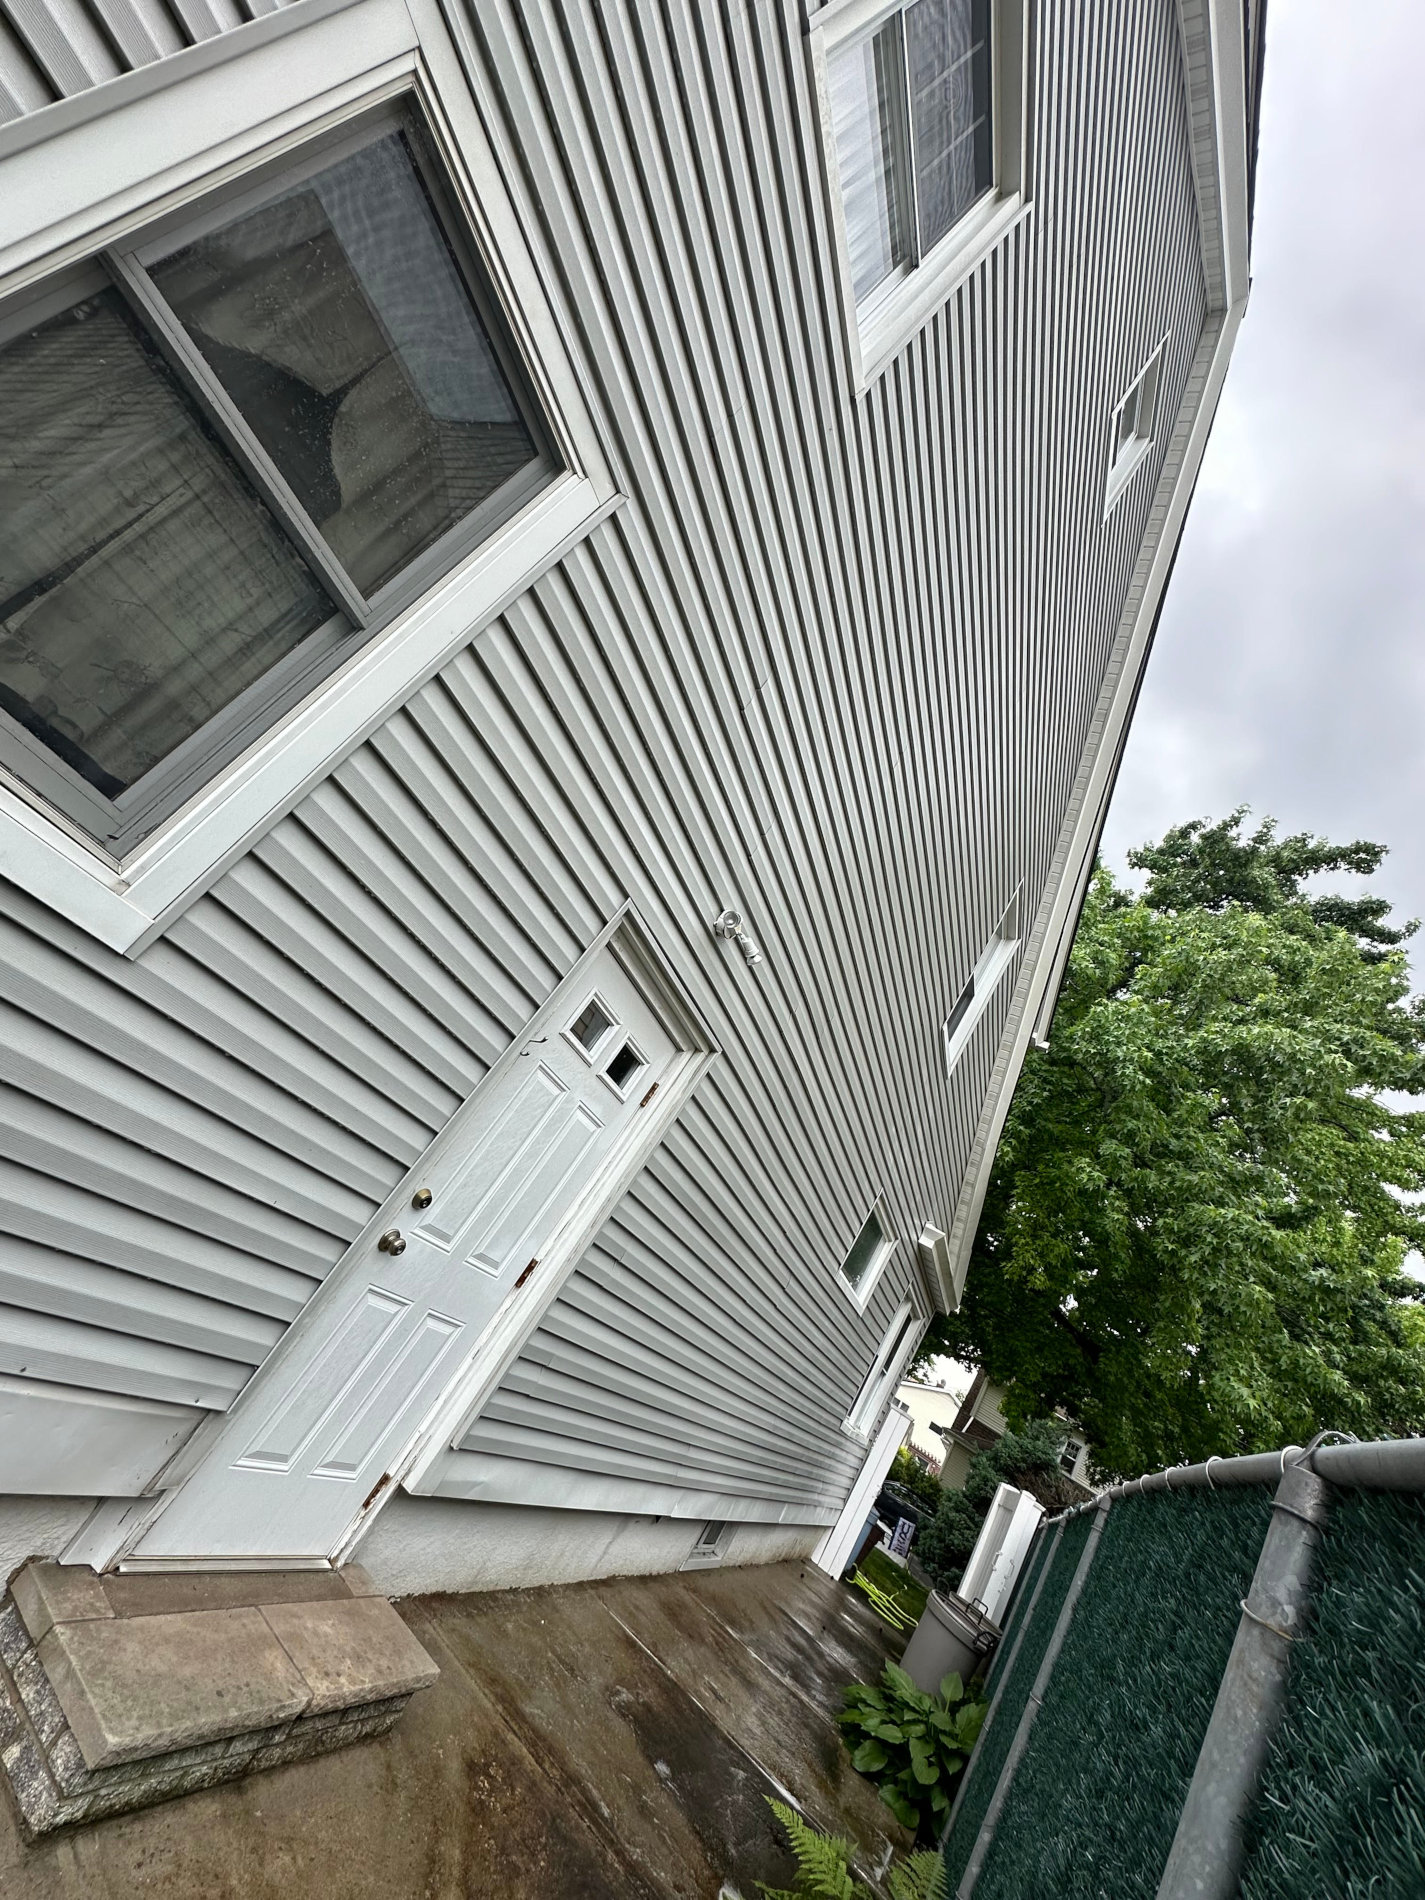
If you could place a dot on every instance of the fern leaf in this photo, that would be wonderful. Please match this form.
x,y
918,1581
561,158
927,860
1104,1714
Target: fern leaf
x,y
922,1877
822,1860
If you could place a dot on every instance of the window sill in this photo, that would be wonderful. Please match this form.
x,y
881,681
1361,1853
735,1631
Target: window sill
x,y
883,328
1123,471
126,906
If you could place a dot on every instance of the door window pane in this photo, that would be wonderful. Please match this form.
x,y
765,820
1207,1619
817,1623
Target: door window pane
x,y
337,319
143,586
625,1065
867,88
948,62
590,1027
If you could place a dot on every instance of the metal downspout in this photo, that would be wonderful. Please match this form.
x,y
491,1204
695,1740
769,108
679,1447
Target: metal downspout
x,y
1205,1860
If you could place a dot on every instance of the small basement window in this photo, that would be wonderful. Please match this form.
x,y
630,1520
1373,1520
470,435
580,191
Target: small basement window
x,y
868,1254
711,1547
231,450
1132,429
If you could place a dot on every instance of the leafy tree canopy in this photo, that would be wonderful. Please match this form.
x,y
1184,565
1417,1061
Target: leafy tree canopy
x,y
1205,866
1193,1236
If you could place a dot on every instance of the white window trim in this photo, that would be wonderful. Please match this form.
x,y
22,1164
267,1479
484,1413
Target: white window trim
x,y
995,960
155,153
877,1387
1123,468
860,1297
880,328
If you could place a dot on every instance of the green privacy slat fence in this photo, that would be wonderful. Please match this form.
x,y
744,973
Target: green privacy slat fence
x,y
1090,1810
1342,1811
1012,1693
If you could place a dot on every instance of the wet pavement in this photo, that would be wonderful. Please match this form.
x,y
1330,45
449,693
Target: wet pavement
x,y
603,1739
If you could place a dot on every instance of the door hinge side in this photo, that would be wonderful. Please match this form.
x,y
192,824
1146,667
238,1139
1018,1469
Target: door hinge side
x,y
649,1097
527,1272
376,1490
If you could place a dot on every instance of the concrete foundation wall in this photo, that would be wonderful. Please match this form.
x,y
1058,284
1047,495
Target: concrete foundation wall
x,y
421,1545
36,1527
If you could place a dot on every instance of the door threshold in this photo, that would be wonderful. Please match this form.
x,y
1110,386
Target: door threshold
x,y
171,1564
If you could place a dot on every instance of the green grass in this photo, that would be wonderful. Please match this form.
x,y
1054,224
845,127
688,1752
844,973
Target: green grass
x,y
896,1582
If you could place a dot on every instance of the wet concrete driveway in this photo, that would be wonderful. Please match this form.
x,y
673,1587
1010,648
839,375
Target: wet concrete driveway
x,y
601,1740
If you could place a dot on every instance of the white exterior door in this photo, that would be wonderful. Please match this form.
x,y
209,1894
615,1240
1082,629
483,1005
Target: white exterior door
x,y
402,1320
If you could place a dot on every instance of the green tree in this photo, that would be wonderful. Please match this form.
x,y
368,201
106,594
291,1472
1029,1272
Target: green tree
x,y
1193,1238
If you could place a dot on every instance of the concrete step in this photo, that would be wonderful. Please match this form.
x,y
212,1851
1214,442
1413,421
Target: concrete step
x,y
116,1692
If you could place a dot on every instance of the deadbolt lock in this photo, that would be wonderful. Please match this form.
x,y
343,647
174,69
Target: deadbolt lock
x,y
391,1241
421,1198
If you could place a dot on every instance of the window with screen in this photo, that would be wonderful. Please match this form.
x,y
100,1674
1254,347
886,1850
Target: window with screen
x,y
231,451
912,116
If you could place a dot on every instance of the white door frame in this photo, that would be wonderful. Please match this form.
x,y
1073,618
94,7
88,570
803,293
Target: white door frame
x,y
836,1546
109,1538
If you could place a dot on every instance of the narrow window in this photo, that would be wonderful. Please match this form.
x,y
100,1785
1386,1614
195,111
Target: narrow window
x,y
974,998
868,1253
1131,434
228,453
895,1349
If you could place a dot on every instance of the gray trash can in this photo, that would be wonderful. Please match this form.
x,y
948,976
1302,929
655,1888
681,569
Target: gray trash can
x,y
952,1635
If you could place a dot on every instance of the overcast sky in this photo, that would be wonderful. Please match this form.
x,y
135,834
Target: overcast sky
x,y
1289,671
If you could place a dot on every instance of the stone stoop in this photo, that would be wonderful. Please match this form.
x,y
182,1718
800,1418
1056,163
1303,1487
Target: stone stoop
x,y
120,1691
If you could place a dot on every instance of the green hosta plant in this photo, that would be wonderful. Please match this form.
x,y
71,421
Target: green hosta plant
x,y
824,1868
911,1744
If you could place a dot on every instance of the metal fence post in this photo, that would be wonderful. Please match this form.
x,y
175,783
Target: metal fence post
x,y
1205,1860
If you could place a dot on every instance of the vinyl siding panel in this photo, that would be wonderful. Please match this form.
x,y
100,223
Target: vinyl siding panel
x,y
834,663
53,49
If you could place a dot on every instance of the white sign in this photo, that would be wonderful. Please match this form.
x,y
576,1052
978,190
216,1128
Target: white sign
x,y
900,1540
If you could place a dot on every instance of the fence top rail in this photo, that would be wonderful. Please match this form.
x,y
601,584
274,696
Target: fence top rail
x,y
1385,1464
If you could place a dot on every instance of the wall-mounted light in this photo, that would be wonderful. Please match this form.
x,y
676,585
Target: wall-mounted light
x,y
728,926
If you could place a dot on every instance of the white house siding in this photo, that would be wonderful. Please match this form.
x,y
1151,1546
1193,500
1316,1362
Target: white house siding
x,y
58,49
834,662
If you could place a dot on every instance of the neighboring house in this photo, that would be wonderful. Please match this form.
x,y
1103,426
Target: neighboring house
x,y
572,582
930,1407
980,1423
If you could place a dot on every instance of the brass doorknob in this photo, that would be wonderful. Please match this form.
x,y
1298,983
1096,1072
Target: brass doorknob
x,y
391,1242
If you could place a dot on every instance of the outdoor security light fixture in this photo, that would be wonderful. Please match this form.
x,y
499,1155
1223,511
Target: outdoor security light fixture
x,y
728,926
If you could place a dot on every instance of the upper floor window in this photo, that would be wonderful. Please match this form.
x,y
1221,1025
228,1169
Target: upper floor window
x,y
981,984
897,1343
911,110
868,1254
230,450
1131,434
923,103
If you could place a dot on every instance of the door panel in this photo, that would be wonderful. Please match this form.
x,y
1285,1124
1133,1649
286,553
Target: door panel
x,y
377,1347
358,1338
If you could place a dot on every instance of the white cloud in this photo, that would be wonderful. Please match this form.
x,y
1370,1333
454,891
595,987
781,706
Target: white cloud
x,y
1290,667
